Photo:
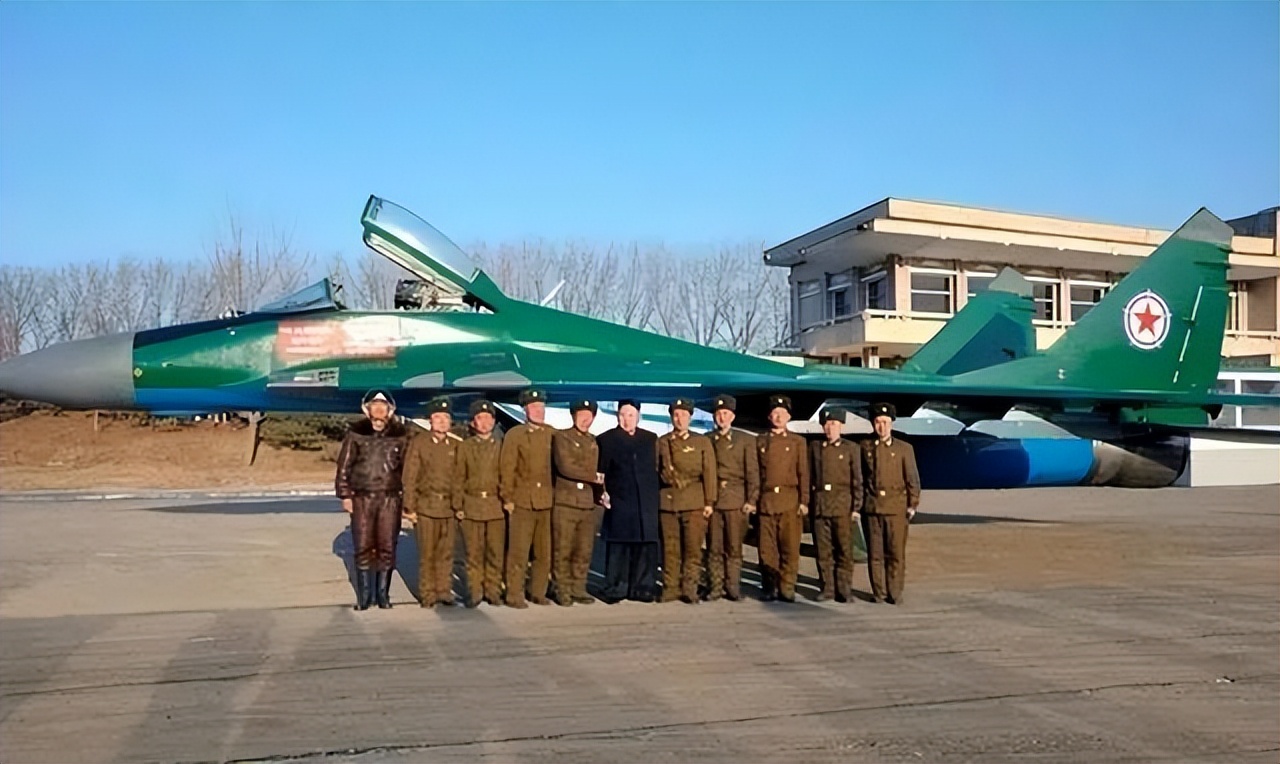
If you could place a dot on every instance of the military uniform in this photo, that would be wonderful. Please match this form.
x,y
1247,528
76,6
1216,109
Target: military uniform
x,y
576,457
687,469
837,487
737,487
784,498
429,483
892,487
525,486
484,525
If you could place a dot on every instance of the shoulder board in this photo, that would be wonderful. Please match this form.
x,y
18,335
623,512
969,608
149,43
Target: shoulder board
x,y
452,435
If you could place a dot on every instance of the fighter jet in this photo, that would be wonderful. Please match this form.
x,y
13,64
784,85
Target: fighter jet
x,y
1146,356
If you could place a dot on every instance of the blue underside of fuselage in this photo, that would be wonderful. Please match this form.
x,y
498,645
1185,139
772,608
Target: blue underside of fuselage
x,y
986,462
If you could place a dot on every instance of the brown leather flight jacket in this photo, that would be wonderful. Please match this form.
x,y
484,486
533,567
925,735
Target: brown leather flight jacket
x,y
371,461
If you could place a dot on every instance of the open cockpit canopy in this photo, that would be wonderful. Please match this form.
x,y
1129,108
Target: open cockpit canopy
x,y
415,245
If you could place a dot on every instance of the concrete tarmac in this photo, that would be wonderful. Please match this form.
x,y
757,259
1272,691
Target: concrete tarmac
x,y
1055,625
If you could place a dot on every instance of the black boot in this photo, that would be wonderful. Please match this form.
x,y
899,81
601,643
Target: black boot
x,y
384,589
364,589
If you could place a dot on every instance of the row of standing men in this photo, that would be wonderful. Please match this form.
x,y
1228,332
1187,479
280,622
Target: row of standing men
x,y
527,505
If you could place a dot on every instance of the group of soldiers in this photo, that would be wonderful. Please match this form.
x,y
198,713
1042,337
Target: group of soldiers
x,y
530,505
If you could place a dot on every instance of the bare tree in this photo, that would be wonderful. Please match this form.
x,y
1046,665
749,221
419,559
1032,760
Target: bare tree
x,y
22,294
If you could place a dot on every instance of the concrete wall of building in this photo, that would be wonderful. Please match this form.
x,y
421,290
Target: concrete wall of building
x,y
1264,305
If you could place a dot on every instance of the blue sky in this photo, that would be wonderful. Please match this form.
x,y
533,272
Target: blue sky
x,y
133,129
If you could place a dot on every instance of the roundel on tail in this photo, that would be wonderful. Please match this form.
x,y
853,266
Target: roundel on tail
x,y
1146,320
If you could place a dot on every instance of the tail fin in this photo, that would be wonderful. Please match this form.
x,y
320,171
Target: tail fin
x,y
1160,329
994,327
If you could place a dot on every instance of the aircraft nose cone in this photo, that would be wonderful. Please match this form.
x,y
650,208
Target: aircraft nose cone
x,y
93,373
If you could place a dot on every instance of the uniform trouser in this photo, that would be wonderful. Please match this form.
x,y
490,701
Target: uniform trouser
x,y
833,536
375,526
886,554
682,536
485,540
435,558
724,551
630,570
780,552
573,533
529,535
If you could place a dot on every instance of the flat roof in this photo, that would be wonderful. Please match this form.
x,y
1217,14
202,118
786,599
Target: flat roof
x,y
919,229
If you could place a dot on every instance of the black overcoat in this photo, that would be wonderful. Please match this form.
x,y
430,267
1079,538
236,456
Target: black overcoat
x,y
630,467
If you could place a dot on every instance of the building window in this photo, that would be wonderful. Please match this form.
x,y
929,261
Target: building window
x,y
875,290
810,299
1084,295
931,290
839,293
979,281
1045,293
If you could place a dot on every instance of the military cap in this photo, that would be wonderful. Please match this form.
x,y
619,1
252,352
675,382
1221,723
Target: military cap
x,y
726,402
829,414
480,407
779,402
628,402
683,404
532,395
439,406
883,409
378,394
582,404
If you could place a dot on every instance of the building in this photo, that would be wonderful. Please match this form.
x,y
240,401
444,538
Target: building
x,y
877,284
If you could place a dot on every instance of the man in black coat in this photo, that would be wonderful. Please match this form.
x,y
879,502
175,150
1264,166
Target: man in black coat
x,y
629,463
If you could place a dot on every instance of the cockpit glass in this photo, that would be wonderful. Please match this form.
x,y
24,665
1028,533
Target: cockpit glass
x,y
317,296
416,233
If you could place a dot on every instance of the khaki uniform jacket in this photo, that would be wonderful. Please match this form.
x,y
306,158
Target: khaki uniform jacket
x,y
428,475
784,472
524,474
837,477
737,470
892,478
576,459
475,486
687,469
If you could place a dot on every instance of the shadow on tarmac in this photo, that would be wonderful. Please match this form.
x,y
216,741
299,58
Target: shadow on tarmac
x,y
317,506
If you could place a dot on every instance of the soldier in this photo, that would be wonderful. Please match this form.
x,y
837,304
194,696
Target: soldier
x,y
475,499
524,482
738,473
837,485
687,469
892,495
628,461
576,459
784,501
429,482
369,483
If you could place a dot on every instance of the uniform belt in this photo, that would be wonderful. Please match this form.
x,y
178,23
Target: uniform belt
x,y
834,487
483,494
780,488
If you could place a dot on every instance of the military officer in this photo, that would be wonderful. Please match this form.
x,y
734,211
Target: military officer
x,y
892,483
524,483
575,461
687,469
368,481
737,491
476,502
429,484
837,487
784,501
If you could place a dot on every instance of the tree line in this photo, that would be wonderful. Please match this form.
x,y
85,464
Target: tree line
x,y
723,296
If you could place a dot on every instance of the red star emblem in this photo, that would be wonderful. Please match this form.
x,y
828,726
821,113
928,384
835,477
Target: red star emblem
x,y
1147,319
